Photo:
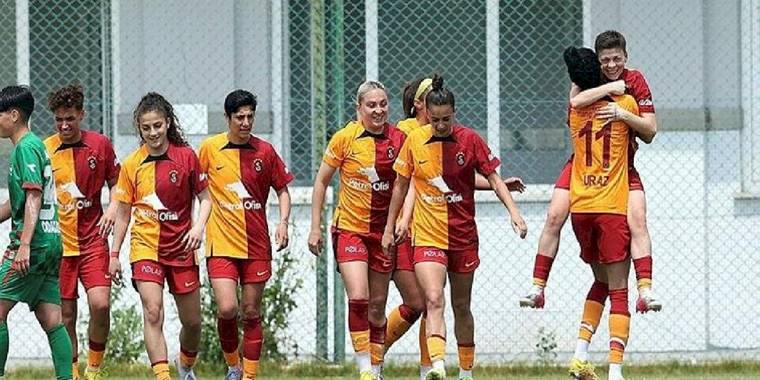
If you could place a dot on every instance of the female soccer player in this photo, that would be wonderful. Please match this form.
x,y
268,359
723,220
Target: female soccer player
x,y
157,183
611,50
364,152
441,158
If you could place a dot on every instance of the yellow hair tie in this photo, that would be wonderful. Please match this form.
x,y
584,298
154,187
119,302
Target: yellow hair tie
x,y
424,86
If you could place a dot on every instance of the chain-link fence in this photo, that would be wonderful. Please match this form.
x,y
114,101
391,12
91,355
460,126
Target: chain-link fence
x,y
304,60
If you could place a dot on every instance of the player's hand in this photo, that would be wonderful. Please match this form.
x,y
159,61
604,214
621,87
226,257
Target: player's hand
x,y
610,112
105,224
402,231
518,225
114,270
281,236
616,88
388,243
315,242
21,261
192,239
515,184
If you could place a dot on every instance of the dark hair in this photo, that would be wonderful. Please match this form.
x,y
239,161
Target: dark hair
x,y
154,102
583,67
611,39
439,95
18,97
237,99
407,97
65,97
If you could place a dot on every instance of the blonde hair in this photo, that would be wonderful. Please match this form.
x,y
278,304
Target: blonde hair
x,y
366,87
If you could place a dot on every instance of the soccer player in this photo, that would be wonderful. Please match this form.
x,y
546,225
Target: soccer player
x,y
611,49
82,162
403,316
598,205
158,183
442,158
363,151
30,265
241,169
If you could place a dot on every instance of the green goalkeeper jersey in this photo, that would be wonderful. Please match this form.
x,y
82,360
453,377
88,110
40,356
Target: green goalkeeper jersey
x,y
29,168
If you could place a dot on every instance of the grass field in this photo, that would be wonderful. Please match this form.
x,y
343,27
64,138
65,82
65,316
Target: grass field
x,y
674,371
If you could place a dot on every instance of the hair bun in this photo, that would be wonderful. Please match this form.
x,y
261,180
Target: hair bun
x,y
437,82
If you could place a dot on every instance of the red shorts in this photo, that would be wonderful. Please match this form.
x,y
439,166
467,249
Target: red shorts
x,y
456,261
91,268
563,181
604,238
247,271
405,255
350,246
181,280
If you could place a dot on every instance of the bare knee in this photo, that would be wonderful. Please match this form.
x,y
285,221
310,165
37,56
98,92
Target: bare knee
x,y
69,316
100,308
417,304
153,314
251,311
192,323
434,301
461,308
555,219
376,310
227,311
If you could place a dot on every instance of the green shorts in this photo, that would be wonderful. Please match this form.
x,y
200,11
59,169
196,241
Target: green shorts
x,y
40,285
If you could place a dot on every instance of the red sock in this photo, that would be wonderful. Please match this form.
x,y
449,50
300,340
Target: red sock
x,y
408,313
598,292
377,343
541,269
358,324
252,338
228,334
619,322
643,268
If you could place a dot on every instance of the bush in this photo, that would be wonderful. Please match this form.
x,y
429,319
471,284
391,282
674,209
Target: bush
x,y
125,341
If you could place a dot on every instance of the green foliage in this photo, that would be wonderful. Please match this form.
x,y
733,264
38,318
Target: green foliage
x,y
546,346
125,341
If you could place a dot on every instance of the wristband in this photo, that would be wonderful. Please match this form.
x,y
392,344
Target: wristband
x,y
114,254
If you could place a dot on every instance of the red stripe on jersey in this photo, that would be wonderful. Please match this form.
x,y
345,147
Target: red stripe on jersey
x,y
386,149
252,168
459,175
89,178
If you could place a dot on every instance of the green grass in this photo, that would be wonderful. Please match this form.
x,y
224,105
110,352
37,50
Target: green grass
x,y
672,371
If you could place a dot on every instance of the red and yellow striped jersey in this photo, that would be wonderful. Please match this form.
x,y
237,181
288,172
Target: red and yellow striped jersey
x,y
365,162
161,191
442,171
239,178
599,182
80,170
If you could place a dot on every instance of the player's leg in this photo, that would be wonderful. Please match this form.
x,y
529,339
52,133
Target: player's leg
x,y
641,251
184,285
431,276
464,323
620,317
152,299
356,282
548,245
5,307
51,320
378,297
97,331
593,308
403,317
224,275
69,273
254,278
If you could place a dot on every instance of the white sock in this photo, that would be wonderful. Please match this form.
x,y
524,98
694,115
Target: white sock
x,y
424,369
536,289
363,361
464,372
377,368
616,371
645,292
581,350
439,364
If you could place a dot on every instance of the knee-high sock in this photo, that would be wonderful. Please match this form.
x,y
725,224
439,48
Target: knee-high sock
x,y
541,269
437,347
643,268
4,342
358,326
593,308
466,358
377,343
620,322
60,349
253,337
95,354
424,352
161,370
400,320
229,340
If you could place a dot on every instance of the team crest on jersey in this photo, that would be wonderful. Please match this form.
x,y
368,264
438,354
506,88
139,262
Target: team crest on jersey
x,y
173,176
460,158
391,153
92,162
258,165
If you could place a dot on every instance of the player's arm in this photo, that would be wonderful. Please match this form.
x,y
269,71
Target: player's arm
x,y
580,99
32,206
402,226
107,220
645,125
193,238
513,183
323,178
121,222
281,233
400,192
518,224
5,210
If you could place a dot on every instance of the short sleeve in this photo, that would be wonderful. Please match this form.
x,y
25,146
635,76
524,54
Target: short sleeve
x,y
281,176
639,89
125,188
30,167
404,164
336,150
485,162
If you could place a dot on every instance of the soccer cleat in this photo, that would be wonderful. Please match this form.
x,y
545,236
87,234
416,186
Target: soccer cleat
x,y
647,302
436,374
377,373
185,373
92,374
366,375
582,370
234,373
534,299
465,378
423,371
